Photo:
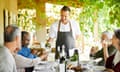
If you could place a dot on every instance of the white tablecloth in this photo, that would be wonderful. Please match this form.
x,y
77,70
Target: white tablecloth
x,y
54,67
46,67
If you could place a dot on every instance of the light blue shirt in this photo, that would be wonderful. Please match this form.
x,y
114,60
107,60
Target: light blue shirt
x,y
7,62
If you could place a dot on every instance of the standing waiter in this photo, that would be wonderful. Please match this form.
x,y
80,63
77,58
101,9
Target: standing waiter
x,y
65,30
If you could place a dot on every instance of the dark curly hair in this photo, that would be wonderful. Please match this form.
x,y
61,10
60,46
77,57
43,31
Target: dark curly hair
x,y
117,33
23,33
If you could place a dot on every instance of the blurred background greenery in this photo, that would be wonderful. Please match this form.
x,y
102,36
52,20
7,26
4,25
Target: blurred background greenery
x,y
93,16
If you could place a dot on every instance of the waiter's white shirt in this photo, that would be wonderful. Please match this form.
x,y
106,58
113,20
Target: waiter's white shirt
x,y
64,28
7,62
23,62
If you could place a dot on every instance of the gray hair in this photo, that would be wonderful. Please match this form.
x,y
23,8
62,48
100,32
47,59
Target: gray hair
x,y
10,33
108,34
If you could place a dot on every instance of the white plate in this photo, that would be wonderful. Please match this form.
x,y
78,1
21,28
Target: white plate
x,y
99,67
45,65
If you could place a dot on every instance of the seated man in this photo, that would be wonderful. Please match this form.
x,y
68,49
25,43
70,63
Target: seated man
x,y
113,62
25,51
12,45
24,62
107,49
11,42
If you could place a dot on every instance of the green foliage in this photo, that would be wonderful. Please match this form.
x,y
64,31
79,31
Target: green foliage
x,y
114,14
25,20
103,12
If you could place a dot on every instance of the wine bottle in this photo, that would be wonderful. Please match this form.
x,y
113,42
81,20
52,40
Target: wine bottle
x,y
57,53
75,56
62,67
62,54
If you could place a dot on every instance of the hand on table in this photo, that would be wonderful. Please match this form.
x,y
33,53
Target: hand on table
x,y
44,56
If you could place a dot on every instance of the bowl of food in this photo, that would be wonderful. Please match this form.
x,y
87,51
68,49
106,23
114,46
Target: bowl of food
x,y
76,68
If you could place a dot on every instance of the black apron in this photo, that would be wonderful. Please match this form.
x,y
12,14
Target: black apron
x,y
66,39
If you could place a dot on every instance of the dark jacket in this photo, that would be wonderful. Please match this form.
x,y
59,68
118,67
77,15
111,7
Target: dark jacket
x,y
109,64
111,51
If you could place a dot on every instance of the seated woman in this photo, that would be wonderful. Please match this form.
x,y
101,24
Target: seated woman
x,y
113,62
107,48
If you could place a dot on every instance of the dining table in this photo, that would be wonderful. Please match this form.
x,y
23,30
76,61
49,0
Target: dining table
x,y
51,65
54,66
